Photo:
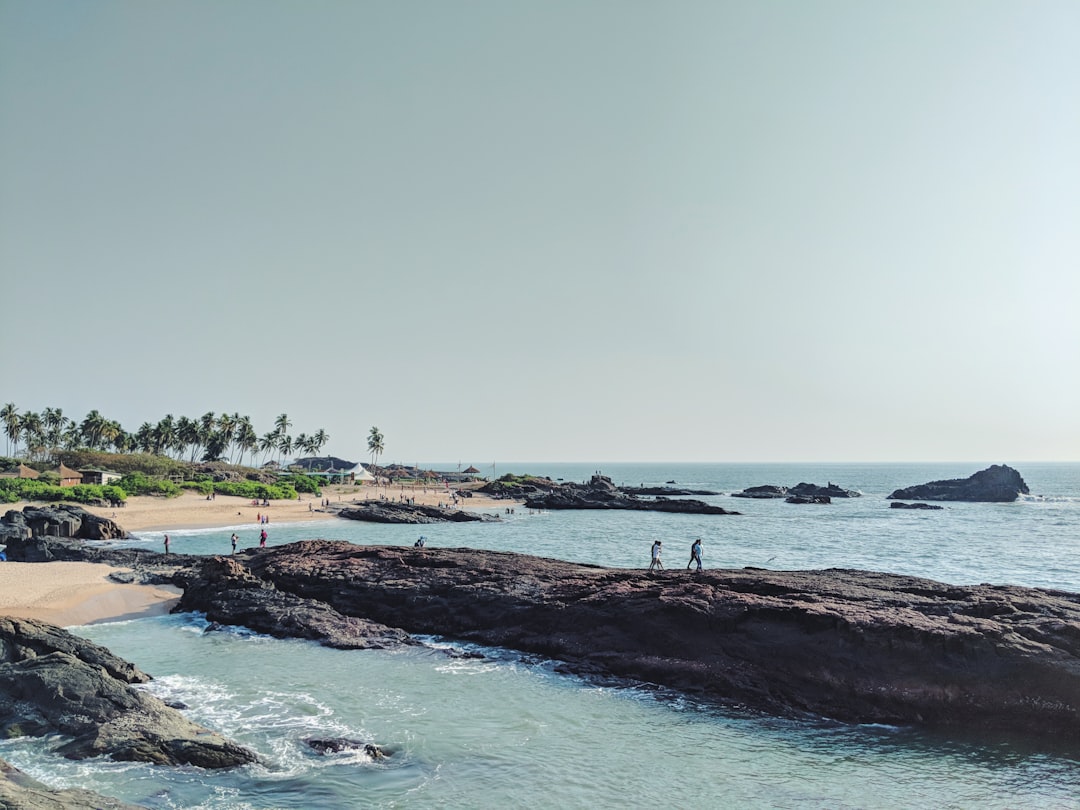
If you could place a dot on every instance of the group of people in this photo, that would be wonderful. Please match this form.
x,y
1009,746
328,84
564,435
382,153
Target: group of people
x,y
658,547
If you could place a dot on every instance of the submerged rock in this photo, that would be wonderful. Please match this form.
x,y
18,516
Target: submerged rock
x,y
901,505
996,484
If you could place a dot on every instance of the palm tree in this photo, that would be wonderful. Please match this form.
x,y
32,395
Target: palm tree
x,y
144,437
375,446
9,415
187,435
55,422
165,435
282,423
246,439
302,444
285,445
268,442
33,431
319,440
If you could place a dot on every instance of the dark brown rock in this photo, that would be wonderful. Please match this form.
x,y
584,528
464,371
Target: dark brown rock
x,y
601,493
854,645
996,484
394,512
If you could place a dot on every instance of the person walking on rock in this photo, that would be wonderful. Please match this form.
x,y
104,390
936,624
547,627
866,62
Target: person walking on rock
x,y
262,539
695,554
657,547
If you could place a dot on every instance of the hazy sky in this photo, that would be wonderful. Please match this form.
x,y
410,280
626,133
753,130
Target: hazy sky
x,y
698,231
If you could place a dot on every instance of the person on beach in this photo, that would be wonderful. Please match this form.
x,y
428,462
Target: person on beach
x,y
262,539
657,547
695,554
166,544
420,542
234,539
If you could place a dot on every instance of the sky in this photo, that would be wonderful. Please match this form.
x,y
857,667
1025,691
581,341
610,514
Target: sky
x,y
551,231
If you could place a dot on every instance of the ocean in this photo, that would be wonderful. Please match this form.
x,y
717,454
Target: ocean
x,y
510,731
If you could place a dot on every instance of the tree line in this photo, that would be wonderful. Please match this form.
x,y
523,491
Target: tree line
x,y
210,437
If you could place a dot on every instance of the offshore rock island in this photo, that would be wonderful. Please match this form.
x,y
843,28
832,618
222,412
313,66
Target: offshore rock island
x,y
856,646
601,493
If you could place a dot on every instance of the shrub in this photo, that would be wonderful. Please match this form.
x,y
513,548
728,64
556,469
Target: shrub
x,y
202,487
302,483
138,483
253,489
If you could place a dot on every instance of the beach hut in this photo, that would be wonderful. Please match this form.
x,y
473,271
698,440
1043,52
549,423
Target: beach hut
x,y
68,476
471,471
22,471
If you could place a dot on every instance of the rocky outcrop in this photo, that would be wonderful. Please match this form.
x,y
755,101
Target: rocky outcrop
x,y
228,593
395,512
853,645
18,790
901,505
802,492
59,520
763,492
807,499
665,492
996,484
52,682
601,493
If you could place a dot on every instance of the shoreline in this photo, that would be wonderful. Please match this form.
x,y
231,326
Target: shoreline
x,y
76,593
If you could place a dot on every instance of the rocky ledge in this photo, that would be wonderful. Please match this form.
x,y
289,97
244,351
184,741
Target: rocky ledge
x,y
853,645
394,512
601,493
800,493
52,682
996,484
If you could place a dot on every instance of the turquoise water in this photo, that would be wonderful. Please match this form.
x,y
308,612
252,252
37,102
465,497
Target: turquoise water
x,y
510,731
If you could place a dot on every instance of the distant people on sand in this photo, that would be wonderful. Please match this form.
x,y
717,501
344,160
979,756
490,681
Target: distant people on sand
x,y
657,547
166,544
262,539
234,539
695,554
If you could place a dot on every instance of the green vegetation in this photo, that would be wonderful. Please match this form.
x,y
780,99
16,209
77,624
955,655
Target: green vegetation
x,y
27,489
137,483
302,483
253,489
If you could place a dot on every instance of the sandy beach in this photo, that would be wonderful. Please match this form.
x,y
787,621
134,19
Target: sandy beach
x,y
73,593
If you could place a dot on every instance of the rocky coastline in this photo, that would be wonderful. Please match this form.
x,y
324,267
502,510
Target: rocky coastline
x,y
856,646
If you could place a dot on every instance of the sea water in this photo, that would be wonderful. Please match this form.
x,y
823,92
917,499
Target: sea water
x,y
510,730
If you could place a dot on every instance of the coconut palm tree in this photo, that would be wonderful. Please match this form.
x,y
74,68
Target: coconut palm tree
x,y
268,442
285,445
282,423
375,445
246,438
33,431
319,440
9,415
